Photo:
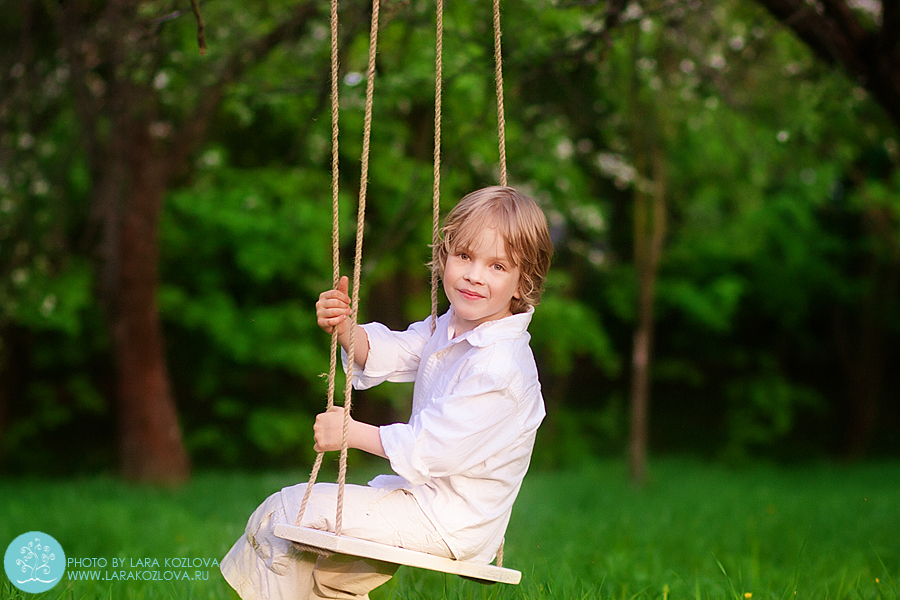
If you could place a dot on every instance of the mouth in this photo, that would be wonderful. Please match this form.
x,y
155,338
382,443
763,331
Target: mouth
x,y
470,295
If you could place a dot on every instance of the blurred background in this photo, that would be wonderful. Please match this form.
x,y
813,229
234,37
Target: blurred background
x,y
722,181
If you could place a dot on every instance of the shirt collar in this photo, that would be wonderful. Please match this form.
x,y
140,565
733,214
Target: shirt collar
x,y
489,332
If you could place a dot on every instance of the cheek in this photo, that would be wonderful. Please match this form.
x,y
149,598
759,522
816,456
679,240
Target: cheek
x,y
517,291
451,274
507,286
449,270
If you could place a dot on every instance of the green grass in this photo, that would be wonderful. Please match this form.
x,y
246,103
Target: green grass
x,y
696,531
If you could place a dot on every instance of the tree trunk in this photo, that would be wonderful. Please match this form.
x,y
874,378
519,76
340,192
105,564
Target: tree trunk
x,y
860,338
131,173
862,355
640,399
649,232
150,445
5,384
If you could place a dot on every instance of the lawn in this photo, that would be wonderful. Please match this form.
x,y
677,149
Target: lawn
x,y
696,531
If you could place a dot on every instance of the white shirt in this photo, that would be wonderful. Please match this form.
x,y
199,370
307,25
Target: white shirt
x,y
477,405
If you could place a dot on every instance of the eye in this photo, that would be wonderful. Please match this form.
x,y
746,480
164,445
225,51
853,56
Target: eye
x,y
462,255
499,267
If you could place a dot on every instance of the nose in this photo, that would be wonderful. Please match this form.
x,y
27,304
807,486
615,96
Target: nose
x,y
474,272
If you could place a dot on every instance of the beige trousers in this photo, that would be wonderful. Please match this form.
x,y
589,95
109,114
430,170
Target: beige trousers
x,y
265,567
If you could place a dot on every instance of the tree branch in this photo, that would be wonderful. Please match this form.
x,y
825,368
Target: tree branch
x,y
837,36
845,20
821,34
890,29
192,132
201,38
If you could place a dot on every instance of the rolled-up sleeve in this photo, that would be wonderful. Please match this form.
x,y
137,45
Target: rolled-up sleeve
x,y
393,355
455,433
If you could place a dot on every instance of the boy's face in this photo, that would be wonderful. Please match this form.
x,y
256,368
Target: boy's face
x,y
480,281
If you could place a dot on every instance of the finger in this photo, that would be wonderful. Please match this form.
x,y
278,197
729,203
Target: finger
x,y
331,308
334,300
340,303
332,297
344,285
330,325
330,312
319,431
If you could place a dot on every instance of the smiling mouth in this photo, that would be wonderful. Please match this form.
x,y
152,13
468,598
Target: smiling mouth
x,y
470,295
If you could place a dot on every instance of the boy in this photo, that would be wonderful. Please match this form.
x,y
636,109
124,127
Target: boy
x,y
461,458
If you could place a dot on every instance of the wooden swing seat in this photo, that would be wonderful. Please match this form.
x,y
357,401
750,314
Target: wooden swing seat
x,y
342,544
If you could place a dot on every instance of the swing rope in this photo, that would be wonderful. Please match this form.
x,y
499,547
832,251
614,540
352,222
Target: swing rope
x,y
357,260
335,243
501,132
501,140
436,190
360,221
498,77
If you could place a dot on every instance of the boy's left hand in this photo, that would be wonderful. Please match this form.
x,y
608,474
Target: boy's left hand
x,y
329,432
329,429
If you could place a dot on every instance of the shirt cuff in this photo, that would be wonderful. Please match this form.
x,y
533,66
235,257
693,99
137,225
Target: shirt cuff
x,y
381,360
400,446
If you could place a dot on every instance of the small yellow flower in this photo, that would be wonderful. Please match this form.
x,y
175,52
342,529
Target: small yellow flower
x,y
748,595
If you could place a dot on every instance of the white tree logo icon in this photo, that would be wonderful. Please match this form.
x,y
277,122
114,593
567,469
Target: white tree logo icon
x,y
36,562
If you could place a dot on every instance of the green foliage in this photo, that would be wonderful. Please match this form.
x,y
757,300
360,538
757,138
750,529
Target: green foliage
x,y
51,301
245,254
763,408
276,432
564,330
262,238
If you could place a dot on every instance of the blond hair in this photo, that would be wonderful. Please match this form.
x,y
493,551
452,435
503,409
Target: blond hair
x,y
522,225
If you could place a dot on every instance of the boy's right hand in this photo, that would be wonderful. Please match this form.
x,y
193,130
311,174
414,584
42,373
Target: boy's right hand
x,y
333,308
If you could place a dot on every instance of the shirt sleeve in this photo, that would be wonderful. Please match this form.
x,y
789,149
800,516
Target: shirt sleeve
x,y
393,355
455,433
